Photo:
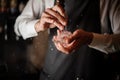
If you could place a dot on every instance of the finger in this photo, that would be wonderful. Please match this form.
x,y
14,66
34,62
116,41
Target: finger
x,y
52,21
46,17
73,37
59,17
70,46
52,26
47,20
55,39
45,14
73,46
78,42
56,44
58,32
59,9
61,48
58,25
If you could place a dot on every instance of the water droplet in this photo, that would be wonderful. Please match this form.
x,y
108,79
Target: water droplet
x,y
77,78
77,26
52,49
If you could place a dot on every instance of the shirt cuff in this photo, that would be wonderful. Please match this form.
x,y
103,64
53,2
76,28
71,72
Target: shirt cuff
x,y
29,31
99,42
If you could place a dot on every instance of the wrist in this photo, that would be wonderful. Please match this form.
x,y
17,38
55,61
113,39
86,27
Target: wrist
x,y
90,38
37,26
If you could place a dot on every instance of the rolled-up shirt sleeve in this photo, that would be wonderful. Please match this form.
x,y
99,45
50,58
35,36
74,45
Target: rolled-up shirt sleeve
x,y
109,43
106,43
26,29
24,25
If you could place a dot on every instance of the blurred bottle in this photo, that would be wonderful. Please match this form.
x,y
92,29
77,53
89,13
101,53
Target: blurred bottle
x,y
12,15
3,6
21,6
3,18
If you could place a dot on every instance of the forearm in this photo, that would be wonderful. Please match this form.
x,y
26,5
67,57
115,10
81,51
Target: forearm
x,y
106,43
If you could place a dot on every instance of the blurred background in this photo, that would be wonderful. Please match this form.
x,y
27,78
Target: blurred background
x,y
15,53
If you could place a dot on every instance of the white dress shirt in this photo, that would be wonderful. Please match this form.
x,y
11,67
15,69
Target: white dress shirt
x,y
104,42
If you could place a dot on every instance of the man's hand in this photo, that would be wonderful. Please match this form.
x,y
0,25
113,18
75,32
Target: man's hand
x,y
73,42
52,17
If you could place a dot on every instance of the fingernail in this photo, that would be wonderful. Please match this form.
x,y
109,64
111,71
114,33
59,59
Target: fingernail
x,y
65,23
61,27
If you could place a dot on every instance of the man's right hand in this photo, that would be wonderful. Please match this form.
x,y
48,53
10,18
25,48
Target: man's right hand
x,y
52,17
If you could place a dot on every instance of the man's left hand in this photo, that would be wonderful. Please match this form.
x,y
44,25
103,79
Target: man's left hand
x,y
73,42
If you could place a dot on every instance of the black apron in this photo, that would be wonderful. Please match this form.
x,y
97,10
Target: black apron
x,y
85,63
